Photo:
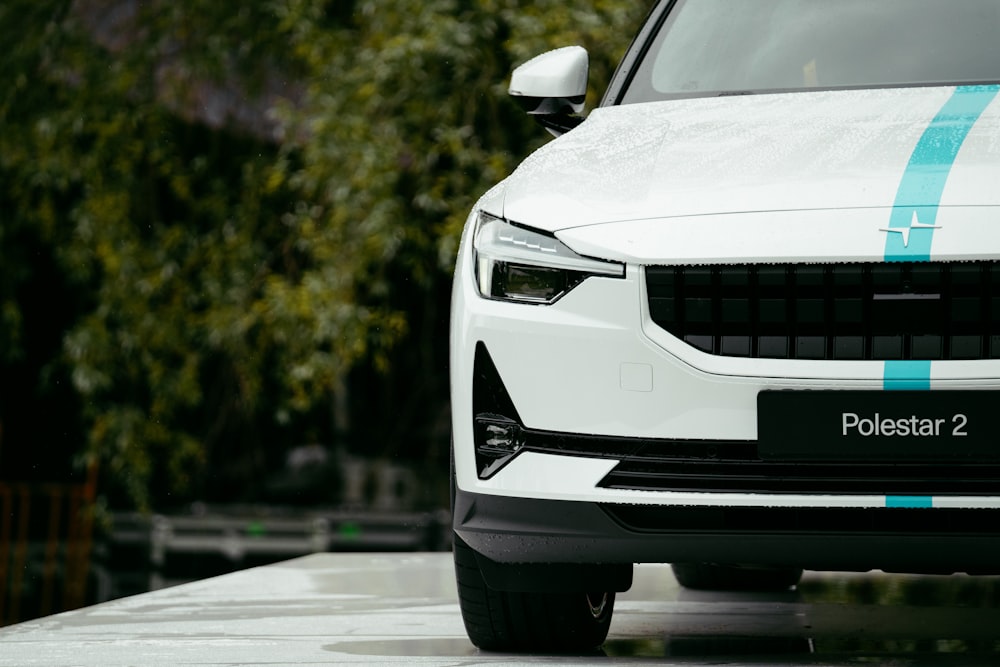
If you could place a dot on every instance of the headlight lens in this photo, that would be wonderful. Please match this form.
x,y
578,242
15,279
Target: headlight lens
x,y
519,264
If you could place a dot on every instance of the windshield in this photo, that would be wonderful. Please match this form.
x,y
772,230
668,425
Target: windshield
x,y
713,47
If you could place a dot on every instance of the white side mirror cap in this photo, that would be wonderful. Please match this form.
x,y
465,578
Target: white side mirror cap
x,y
555,75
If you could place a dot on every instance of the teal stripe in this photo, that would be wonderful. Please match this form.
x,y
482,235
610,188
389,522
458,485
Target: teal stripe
x,y
922,185
910,502
917,200
907,375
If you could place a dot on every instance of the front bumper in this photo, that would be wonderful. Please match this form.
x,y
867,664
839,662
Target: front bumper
x,y
522,530
594,366
594,385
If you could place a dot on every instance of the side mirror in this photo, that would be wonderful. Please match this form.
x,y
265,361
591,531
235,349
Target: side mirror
x,y
552,87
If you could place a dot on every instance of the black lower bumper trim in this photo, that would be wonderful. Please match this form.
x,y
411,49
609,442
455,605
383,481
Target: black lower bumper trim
x,y
520,530
938,523
555,577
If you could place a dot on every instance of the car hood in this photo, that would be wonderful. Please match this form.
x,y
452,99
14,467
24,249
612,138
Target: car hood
x,y
823,173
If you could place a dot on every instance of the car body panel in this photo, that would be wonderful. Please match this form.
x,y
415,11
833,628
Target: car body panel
x,y
831,150
800,236
818,177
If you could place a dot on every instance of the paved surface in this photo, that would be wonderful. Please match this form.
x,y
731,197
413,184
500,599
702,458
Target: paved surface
x,y
348,609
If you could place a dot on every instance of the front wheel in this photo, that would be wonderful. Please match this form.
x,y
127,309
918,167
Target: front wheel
x,y
505,621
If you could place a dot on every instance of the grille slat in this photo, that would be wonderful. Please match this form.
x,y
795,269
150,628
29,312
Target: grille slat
x,y
735,466
831,478
863,311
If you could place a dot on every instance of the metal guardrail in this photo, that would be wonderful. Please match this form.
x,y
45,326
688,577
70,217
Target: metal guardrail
x,y
51,561
151,552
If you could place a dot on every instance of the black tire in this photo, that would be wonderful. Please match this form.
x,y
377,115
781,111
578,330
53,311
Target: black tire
x,y
502,621
711,577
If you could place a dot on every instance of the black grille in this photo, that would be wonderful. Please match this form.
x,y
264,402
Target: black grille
x,y
734,466
909,479
880,311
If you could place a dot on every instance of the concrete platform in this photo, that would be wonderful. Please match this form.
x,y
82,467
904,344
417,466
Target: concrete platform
x,y
351,609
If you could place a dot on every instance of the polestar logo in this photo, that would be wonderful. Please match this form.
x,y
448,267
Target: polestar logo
x,y
905,231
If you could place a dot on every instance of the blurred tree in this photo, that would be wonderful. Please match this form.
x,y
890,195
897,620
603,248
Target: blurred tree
x,y
154,213
241,205
404,123
37,303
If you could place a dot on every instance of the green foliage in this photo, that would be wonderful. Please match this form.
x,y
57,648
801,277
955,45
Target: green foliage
x,y
414,113
229,266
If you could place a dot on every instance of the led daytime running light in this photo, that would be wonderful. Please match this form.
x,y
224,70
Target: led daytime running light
x,y
519,264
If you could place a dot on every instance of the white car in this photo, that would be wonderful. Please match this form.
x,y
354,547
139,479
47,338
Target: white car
x,y
744,318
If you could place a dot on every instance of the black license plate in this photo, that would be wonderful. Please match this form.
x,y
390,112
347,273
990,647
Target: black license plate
x,y
900,426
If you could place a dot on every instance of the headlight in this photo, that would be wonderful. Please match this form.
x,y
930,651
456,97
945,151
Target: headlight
x,y
519,264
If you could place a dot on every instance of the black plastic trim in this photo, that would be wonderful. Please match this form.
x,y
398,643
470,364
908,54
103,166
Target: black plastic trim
x,y
636,51
907,479
554,577
524,530
490,401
